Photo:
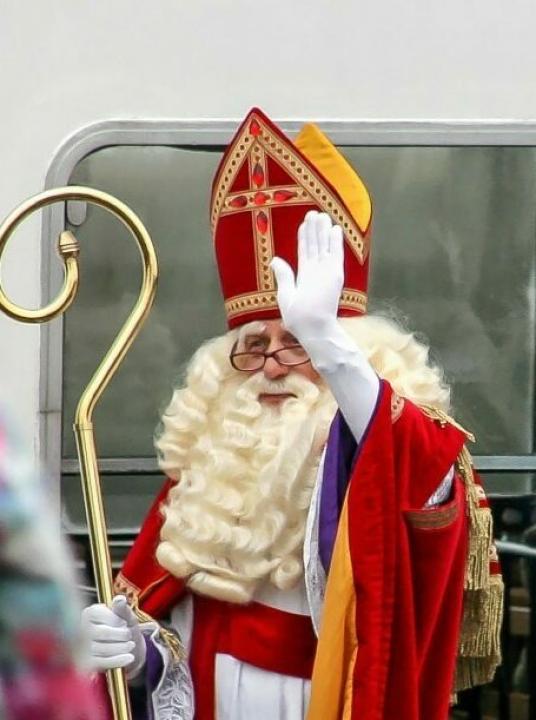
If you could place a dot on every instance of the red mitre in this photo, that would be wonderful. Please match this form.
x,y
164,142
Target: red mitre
x,y
264,186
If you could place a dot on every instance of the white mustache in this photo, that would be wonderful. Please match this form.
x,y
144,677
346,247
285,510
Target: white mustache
x,y
291,385
275,388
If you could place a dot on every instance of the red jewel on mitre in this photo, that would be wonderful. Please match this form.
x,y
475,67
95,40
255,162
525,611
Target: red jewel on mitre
x,y
264,186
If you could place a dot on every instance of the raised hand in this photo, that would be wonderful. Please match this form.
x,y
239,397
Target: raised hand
x,y
309,301
115,636
308,305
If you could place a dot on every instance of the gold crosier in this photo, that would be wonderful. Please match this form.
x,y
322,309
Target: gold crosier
x,y
83,427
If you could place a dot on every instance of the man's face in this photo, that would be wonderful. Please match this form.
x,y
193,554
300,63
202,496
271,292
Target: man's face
x,y
274,336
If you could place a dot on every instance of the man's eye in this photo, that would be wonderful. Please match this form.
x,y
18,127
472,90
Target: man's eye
x,y
256,345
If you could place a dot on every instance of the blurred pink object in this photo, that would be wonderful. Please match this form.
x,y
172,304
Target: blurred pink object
x,y
40,644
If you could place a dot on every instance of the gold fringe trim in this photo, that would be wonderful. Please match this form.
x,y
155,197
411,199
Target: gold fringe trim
x,y
479,649
132,592
483,610
168,637
481,528
434,413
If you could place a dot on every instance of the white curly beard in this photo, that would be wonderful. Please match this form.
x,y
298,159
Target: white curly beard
x,y
236,517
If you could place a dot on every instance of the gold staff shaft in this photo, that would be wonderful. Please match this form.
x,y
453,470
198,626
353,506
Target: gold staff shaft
x,y
83,426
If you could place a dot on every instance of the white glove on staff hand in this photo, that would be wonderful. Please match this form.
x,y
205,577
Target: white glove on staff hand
x,y
309,305
115,636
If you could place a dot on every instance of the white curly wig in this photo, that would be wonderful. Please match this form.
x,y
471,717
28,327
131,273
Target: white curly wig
x,y
244,475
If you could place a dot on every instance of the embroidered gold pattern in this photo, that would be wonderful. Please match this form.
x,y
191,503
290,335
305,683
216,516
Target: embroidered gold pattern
x,y
434,518
305,177
443,419
235,155
264,251
243,304
126,588
353,300
254,301
261,219
275,195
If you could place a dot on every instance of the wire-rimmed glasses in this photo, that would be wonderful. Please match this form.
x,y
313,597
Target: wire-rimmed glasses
x,y
254,359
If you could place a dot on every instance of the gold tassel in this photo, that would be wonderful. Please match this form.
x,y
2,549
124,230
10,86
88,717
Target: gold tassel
x,y
482,620
480,539
480,530
473,671
479,649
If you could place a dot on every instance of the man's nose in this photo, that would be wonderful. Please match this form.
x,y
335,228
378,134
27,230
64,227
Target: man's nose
x,y
273,370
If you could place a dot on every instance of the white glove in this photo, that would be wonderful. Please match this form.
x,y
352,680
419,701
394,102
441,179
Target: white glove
x,y
115,637
309,304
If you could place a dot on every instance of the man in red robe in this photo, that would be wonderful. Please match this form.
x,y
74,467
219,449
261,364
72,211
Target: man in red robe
x,y
303,566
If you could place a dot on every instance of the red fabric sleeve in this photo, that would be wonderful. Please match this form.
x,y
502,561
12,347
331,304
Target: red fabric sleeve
x,y
424,451
408,565
141,577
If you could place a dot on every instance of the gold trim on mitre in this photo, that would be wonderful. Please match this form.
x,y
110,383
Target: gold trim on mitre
x,y
244,304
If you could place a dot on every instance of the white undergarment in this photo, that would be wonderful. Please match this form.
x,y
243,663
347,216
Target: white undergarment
x,y
243,691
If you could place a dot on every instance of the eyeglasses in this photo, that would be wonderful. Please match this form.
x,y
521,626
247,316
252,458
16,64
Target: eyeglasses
x,y
251,361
